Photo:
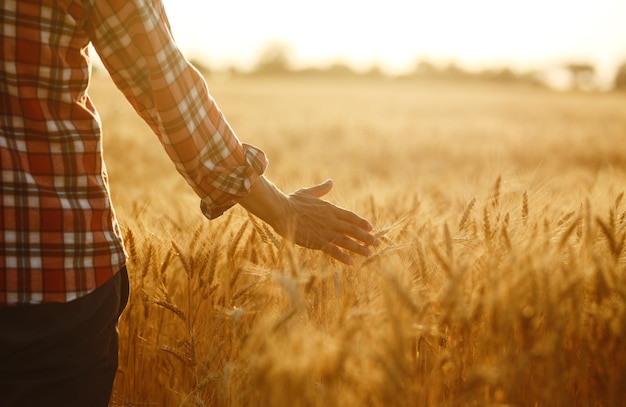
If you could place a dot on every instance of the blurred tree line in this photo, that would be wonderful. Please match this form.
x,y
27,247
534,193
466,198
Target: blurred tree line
x,y
275,60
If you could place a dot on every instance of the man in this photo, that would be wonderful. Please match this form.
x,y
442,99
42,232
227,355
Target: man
x,y
63,282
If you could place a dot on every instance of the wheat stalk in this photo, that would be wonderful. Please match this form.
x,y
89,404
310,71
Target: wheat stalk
x,y
466,213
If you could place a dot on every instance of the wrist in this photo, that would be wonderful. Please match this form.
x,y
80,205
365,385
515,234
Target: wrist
x,y
268,203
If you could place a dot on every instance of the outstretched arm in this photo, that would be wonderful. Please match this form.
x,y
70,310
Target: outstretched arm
x,y
136,46
309,221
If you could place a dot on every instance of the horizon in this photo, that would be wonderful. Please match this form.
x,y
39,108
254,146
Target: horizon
x,y
484,34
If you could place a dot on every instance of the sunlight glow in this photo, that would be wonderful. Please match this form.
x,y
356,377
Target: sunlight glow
x,y
396,33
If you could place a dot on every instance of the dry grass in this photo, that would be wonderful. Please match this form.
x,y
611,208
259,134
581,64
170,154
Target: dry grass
x,y
501,280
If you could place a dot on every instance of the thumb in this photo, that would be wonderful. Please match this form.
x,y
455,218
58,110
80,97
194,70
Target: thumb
x,y
318,190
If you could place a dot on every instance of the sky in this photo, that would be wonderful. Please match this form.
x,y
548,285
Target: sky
x,y
394,34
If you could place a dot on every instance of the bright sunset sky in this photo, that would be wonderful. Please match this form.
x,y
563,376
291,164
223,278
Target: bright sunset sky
x,y
395,33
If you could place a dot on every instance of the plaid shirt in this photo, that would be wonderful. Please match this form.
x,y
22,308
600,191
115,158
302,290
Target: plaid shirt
x,y
59,238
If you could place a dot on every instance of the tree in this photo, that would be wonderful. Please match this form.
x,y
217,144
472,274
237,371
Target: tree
x,y
620,78
274,59
374,72
582,75
339,69
425,68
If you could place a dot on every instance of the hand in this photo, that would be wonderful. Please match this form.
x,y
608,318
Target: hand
x,y
316,224
310,221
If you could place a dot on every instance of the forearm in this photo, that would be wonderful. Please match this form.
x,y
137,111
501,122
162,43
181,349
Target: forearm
x,y
174,100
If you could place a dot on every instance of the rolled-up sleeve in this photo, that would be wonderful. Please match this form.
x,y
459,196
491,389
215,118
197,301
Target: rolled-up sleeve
x,y
135,44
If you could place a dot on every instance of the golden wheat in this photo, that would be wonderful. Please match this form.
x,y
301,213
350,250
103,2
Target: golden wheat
x,y
522,304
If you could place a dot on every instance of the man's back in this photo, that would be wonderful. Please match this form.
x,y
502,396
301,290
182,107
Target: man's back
x,y
59,238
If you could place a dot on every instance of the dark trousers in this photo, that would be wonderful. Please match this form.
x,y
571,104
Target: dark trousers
x,y
62,354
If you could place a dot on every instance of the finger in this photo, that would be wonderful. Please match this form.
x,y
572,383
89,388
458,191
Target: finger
x,y
352,246
354,219
357,233
319,190
334,252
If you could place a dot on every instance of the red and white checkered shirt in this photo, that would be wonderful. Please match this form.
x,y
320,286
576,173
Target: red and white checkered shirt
x,y
59,238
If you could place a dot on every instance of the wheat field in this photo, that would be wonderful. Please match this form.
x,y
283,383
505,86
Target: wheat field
x,y
501,280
